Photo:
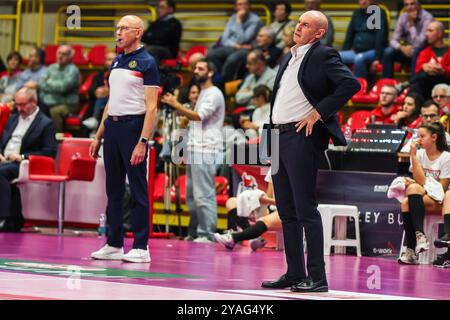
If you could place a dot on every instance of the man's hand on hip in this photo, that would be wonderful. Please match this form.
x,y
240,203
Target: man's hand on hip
x,y
308,122
138,155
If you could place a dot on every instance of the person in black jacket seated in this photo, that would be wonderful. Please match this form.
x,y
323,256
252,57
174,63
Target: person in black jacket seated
x,y
162,37
29,132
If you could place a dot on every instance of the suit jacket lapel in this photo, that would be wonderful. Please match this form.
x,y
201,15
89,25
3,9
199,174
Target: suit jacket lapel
x,y
30,129
8,134
302,69
283,66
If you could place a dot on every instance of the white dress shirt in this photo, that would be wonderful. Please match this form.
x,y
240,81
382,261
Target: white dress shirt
x,y
15,142
291,104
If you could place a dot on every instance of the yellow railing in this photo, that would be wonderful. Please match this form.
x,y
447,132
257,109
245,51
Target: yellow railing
x,y
333,11
15,26
191,12
101,7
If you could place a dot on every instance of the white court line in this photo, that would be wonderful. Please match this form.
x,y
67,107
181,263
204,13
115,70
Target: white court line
x,y
331,295
51,287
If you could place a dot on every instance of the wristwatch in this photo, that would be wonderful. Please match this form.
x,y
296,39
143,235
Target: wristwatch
x,y
143,140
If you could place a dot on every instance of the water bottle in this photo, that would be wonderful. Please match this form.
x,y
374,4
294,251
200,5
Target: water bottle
x,y
102,225
348,135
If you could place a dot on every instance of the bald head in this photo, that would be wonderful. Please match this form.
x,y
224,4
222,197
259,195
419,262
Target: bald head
x,y
194,58
435,33
311,27
132,21
319,18
439,26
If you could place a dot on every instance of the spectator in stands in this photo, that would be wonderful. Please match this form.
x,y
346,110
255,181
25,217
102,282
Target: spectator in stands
x,y
30,77
258,73
364,47
265,41
203,152
432,161
441,95
329,37
408,39
99,93
386,110
60,86
430,114
29,132
262,96
240,32
409,115
163,36
288,39
433,63
10,77
281,12
269,221
192,97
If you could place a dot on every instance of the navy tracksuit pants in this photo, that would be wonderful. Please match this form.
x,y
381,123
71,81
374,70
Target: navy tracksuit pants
x,y
120,138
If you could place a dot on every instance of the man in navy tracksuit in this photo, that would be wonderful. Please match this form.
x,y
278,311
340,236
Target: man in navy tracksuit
x,y
126,127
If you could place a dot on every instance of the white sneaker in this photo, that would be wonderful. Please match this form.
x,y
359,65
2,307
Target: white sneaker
x,y
257,243
422,243
225,239
108,253
203,240
137,255
91,123
408,257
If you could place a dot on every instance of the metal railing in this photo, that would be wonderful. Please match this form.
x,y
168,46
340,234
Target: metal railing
x,y
59,28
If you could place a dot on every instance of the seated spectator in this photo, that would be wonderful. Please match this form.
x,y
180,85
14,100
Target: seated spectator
x,y
364,47
99,93
240,32
163,35
281,12
288,39
265,42
192,97
433,63
30,77
259,73
409,115
441,95
239,227
29,132
10,77
60,85
408,38
432,161
261,100
386,110
430,114
328,39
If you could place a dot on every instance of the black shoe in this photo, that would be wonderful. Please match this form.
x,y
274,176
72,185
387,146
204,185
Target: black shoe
x,y
281,283
309,285
443,242
442,261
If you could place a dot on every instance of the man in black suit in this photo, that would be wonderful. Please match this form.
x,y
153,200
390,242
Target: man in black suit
x,y
29,132
312,84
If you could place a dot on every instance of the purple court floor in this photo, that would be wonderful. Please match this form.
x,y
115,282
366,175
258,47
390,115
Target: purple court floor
x,y
36,266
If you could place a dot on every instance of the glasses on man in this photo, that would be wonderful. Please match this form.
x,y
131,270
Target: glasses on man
x,y
124,28
430,116
439,96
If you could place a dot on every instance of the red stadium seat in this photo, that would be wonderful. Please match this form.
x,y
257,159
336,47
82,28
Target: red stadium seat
x,y
357,120
97,54
74,163
223,196
374,94
194,49
158,191
4,116
181,181
397,67
79,58
50,53
172,63
84,88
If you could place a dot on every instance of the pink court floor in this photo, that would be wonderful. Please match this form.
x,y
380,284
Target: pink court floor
x,y
35,266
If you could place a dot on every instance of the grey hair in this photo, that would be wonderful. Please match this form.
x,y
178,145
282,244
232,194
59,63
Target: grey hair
x,y
30,93
441,86
71,50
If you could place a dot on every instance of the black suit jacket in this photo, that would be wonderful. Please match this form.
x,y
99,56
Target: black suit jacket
x,y
327,84
38,140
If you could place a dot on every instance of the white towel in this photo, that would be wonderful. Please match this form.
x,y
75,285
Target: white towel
x,y
248,204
